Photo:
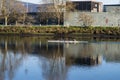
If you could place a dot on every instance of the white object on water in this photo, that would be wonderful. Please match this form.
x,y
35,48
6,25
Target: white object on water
x,y
65,41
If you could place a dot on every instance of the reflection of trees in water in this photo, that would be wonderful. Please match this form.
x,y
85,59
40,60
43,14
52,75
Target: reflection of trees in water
x,y
109,50
54,66
54,69
9,62
85,61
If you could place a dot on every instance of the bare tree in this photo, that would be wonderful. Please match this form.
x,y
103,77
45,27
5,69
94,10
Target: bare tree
x,y
58,11
11,7
18,14
70,6
46,13
58,7
86,19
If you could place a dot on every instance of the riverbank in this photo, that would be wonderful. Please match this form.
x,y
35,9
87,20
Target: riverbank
x,y
61,31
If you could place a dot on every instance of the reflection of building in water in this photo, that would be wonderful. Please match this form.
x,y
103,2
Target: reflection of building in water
x,y
86,61
81,54
83,50
110,50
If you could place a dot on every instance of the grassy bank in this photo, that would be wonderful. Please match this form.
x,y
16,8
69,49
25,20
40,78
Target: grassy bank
x,y
61,31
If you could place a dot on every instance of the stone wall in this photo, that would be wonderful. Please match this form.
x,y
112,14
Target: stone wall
x,y
99,19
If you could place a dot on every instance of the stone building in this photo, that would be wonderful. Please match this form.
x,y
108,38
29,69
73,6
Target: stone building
x,y
109,17
115,8
87,6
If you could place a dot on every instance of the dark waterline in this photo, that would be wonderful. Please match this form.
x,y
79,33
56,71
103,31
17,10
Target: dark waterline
x,y
34,58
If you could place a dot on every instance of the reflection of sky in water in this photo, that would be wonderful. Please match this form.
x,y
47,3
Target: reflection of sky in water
x,y
49,63
30,69
105,71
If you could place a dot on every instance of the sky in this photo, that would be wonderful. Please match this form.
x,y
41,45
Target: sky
x,y
104,1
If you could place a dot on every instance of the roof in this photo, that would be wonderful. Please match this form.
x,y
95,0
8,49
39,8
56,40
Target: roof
x,y
86,1
112,5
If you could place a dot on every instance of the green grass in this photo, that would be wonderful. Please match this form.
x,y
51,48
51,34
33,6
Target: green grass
x,y
56,30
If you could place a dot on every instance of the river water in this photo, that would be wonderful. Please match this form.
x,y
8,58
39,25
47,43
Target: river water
x,y
34,58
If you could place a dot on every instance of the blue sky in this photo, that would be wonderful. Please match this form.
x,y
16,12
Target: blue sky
x,y
104,1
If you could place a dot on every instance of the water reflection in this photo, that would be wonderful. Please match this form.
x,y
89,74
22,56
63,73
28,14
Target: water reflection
x,y
52,60
81,54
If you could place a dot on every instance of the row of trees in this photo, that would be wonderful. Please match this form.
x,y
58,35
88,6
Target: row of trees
x,y
13,11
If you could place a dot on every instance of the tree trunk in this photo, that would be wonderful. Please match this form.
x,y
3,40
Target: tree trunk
x,y
59,18
16,23
24,18
58,21
6,20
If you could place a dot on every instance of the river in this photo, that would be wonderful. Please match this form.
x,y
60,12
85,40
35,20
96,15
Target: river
x,y
34,58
